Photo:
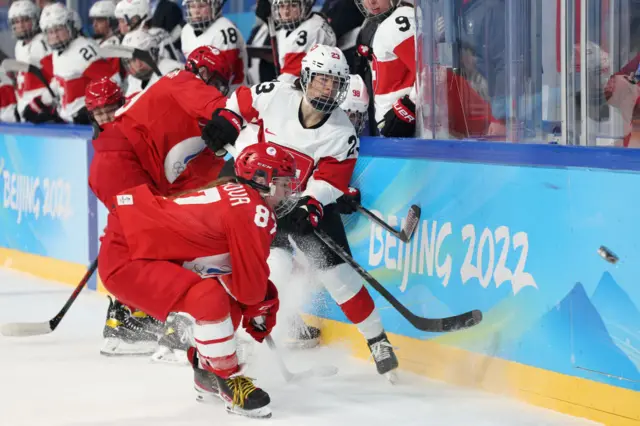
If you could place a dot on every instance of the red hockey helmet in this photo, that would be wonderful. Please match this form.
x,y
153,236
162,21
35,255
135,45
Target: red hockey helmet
x,y
269,168
103,92
218,69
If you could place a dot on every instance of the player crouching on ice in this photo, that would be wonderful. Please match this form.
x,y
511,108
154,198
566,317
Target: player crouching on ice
x,y
205,253
304,118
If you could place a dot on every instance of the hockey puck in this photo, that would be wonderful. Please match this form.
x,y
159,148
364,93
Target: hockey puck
x,y
608,255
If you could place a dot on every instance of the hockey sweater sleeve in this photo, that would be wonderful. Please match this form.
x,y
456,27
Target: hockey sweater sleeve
x,y
194,97
250,232
249,102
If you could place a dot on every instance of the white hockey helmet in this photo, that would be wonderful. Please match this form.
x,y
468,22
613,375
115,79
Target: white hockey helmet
x,y
288,14
105,9
202,13
324,77
140,39
54,17
356,104
19,11
133,12
77,20
376,15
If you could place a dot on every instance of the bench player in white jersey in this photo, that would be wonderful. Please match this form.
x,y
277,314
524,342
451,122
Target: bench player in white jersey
x,y
304,118
140,75
8,113
207,26
74,63
298,28
136,14
105,25
392,58
31,47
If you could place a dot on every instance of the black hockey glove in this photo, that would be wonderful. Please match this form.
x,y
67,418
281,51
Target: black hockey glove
x,y
263,9
38,112
349,202
82,117
223,128
305,216
399,121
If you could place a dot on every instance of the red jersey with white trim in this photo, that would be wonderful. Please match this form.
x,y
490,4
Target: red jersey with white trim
x,y
394,59
7,99
223,232
163,124
325,155
28,86
224,36
294,45
73,69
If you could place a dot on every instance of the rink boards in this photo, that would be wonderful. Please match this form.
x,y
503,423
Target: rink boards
x,y
512,230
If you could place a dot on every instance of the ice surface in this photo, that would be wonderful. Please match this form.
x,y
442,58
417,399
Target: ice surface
x,y
61,380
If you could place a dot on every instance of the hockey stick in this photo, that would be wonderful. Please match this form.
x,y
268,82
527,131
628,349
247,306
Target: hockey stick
x,y
274,44
39,328
410,223
434,325
126,52
18,66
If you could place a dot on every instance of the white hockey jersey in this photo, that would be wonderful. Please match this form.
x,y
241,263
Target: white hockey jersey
x,y
394,59
226,37
135,85
73,69
325,154
294,45
165,43
28,86
112,40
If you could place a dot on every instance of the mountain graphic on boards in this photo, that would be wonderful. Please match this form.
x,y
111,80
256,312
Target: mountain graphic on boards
x,y
571,338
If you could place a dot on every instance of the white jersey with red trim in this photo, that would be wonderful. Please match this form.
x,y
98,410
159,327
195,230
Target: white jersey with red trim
x,y
134,85
7,99
325,155
394,59
224,36
28,86
293,45
73,69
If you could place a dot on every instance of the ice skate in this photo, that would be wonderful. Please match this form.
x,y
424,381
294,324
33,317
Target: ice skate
x,y
176,340
301,336
125,334
384,357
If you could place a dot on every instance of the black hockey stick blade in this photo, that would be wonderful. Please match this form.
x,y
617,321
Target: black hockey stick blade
x,y
23,329
18,66
126,52
435,325
410,223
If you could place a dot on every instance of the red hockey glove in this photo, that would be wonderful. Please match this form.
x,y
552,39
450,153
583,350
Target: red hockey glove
x,y
305,217
267,310
223,128
349,202
400,121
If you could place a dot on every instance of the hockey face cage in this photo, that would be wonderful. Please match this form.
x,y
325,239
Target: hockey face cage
x,y
377,17
19,13
324,91
197,18
60,45
144,72
290,23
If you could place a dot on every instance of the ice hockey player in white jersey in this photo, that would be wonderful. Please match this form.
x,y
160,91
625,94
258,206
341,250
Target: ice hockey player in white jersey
x,y
73,64
356,104
207,26
136,14
105,25
140,75
30,48
305,119
392,59
298,28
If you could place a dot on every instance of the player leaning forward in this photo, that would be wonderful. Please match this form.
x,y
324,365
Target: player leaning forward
x,y
205,253
304,119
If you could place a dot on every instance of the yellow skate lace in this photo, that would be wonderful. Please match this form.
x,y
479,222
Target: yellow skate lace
x,y
242,388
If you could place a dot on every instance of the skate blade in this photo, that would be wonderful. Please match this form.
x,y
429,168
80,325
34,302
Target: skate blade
x,y
258,413
292,344
116,347
206,397
165,355
392,377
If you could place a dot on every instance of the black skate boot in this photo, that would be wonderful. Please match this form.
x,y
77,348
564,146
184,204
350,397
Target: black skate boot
x,y
301,335
149,323
176,340
124,334
239,394
383,355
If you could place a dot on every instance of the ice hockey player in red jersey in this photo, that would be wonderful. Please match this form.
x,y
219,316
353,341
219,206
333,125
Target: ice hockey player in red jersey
x,y
30,48
102,98
305,119
205,253
207,26
105,25
73,63
163,150
298,28
392,58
